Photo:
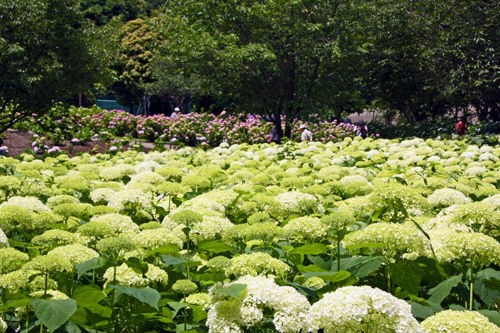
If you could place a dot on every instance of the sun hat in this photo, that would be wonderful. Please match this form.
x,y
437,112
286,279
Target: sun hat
x,y
302,126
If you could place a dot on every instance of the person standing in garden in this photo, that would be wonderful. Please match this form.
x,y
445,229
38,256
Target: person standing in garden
x,y
362,129
306,133
461,126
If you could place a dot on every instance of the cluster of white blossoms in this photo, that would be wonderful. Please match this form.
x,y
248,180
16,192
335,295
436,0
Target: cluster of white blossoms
x,y
454,321
31,203
295,202
75,253
446,197
4,241
306,228
289,307
3,326
361,309
127,276
477,248
125,198
391,239
153,238
118,222
256,263
102,195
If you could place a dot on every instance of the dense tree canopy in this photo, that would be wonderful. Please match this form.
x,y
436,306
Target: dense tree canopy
x,y
285,58
280,57
47,54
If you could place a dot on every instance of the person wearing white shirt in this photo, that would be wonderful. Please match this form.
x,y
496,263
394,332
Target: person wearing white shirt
x,y
306,134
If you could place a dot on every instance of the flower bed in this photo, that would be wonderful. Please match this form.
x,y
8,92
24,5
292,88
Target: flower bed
x,y
354,235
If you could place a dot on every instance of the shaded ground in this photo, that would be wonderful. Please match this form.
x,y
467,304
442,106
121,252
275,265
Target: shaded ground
x,y
20,142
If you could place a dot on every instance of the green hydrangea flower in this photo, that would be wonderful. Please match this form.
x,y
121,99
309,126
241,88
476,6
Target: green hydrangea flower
x,y
305,229
361,309
257,263
391,239
74,253
459,322
55,237
184,287
11,259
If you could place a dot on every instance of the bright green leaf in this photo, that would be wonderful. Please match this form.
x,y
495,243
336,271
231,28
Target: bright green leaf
x,y
53,313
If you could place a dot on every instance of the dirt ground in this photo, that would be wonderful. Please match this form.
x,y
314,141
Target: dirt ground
x,y
20,142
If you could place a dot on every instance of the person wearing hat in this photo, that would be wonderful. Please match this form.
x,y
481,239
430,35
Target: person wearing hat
x,y
306,134
361,129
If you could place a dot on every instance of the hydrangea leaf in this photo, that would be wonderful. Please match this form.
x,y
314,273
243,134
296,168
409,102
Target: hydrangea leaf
x,y
493,316
315,248
53,313
361,266
442,290
148,296
409,275
214,246
89,265
487,286
234,290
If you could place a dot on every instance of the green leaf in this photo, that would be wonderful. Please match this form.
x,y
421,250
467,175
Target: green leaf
x,y
88,295
167,249
420,311
487,286
442,290
234,290
137,265
89,265
330,276
53,313
408,275
214,246
148,296
172,261
361,266
176,306
315,248
493,316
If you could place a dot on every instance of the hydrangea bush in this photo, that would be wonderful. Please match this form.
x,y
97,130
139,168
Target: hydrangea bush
x,y
353,235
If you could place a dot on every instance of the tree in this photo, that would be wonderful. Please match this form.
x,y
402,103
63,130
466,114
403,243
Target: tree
x,y
426,58
138,40
275,57
103,11
45,56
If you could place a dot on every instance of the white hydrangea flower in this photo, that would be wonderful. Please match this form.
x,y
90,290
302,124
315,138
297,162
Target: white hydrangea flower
x,y
102,194
146,165
477,248
154,238
434,159
459,322
31,203
256,263
393,239
475,171
118,222
3,326
4,241
210,227
361,309
447,197
296,202
306,228
74,253
289,307
494,200
116,172
468,155
121,199
488,157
